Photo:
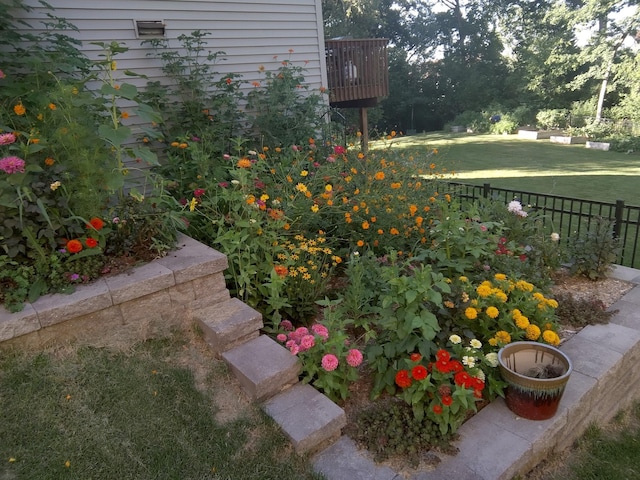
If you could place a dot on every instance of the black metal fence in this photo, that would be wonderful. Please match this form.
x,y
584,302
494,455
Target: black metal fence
x,y
570,216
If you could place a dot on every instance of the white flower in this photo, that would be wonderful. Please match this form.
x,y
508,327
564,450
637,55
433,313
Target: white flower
x,y
555,237
491,359
235,182
275,202
469,361
481,375
356,254
252,152
55,185
522,213
475,343
252,220
514,206
455,339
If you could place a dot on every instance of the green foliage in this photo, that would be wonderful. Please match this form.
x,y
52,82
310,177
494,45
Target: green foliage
x,y
591,253
407,323
15,280
473,120
552,118
507,124
387,428
328,359
283,111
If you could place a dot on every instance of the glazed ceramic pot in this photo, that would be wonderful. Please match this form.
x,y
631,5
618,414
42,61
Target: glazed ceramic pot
x,y
536,375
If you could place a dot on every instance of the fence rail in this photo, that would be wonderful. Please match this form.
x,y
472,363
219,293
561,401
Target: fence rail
x,y
570,216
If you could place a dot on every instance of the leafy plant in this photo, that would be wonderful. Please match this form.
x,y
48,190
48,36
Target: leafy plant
x,y
552,118
580,312
593,252
388,427
328,360
406,323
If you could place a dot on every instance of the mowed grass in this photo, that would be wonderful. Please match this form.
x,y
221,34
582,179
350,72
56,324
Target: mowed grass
x,y
611,452
510,162
134,413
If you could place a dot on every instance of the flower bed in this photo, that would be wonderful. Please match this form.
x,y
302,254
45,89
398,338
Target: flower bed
x,y
141,303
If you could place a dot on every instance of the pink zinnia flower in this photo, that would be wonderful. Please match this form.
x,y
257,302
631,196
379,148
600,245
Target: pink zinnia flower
x,y
286,325
320,330
281,337
354,357
12,165
299,333
198,192
2,74
307,342
295,349
329,362
339,150
7,138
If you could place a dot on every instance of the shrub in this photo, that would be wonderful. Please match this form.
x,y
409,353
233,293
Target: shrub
x,y
552,118
591,253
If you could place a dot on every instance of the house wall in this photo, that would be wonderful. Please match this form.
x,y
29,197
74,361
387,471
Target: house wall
x,y
250,32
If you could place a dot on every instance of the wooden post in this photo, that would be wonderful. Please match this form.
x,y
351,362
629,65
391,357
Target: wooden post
x,y
364,129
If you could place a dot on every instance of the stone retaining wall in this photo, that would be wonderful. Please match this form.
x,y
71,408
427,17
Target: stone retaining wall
x,y
146,301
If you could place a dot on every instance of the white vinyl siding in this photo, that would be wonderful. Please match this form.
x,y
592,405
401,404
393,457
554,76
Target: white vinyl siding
x,y
250,32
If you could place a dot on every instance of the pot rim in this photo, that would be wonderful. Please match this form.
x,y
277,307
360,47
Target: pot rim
x,y
524,345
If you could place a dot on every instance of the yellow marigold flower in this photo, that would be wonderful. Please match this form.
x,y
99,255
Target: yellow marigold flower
x,y
328,188
503,337
500,295
493,341
365,225
301,187
19,109
483,290
356,191
533,332
244,163
182,145
314,208
500,276
355,208
516,313
463,279
304,173
552,303
492,312
175,144
471,313
360,243
264,197
522,322
551,337
524,286
394,231
379,176
538,296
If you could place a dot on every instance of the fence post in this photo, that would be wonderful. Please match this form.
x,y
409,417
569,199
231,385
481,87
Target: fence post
x,y
486,190
618,225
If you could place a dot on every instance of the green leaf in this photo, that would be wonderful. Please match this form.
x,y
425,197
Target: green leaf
x,y
128,91
115,136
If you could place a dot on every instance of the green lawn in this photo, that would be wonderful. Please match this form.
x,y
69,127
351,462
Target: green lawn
x,y
163,409
539,166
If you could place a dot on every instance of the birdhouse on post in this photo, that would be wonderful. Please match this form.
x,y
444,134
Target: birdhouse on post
x,y
358,75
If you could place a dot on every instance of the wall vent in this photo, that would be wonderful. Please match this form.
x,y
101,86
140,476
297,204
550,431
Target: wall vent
x,y
149,28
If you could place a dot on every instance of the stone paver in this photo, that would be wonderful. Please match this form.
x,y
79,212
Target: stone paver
x,y
306,416
263,367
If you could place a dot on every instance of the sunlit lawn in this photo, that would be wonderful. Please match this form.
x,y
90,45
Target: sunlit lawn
x,y
539,166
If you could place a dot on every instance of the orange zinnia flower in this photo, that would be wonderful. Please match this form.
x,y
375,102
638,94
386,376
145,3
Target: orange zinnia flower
x,y
19,109
281,270
91,242
74,246
379,176
95,223
244,163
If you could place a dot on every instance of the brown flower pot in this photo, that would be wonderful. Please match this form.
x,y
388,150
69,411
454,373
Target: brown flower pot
x,y
536,375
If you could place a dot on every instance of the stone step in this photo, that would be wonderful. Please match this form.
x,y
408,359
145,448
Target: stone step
x,y
309,418
228,324
263,367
